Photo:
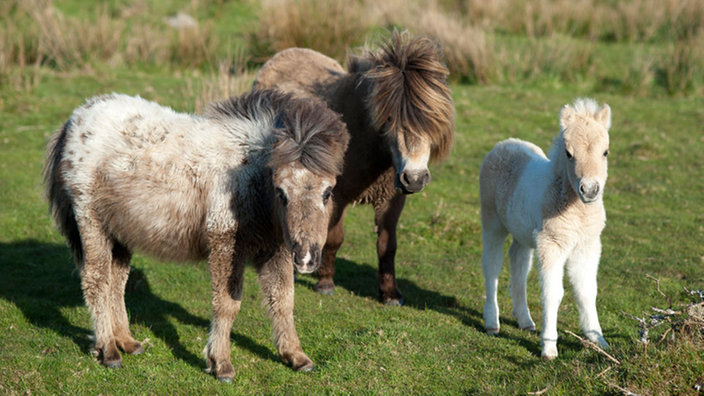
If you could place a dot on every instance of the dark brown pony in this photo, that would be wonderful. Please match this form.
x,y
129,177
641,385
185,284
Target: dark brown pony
x,y
398,109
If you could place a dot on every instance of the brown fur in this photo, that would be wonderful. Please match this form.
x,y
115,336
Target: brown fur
x,y
394,96
152,189
409,92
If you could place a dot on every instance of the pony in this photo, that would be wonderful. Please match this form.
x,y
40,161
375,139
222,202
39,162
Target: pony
x,y
399,111
552,205
250,179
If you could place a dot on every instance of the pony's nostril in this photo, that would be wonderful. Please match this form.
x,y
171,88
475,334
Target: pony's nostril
x,y
404,179
596,189
426,178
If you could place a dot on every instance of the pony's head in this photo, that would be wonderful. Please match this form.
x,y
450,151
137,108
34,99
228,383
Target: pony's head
x,y
306,159
409,102
585,138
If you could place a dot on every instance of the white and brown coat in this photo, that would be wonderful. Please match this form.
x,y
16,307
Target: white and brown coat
x,y
250,179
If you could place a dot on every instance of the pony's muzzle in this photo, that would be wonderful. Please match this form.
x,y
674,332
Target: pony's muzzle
x,y
589,190
306,260
410,182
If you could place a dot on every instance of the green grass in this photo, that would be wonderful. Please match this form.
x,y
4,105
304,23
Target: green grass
x,y
434,344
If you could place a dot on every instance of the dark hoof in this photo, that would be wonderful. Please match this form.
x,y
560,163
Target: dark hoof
x,y
394,302
225,380
530,329
328,290
115,364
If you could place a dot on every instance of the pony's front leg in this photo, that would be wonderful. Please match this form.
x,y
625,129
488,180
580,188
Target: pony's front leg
x,y
552,264
226,274
386,218
582,269
276,278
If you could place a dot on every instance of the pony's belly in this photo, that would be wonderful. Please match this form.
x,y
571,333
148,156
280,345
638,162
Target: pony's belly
x,y
165,220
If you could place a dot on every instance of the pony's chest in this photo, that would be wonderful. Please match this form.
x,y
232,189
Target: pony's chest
x,y
573,227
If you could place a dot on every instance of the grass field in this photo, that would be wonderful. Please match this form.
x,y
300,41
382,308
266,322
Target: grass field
x,y
435,344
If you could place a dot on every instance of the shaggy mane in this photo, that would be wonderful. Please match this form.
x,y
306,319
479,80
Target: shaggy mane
x,y
409,91
585,106
305,130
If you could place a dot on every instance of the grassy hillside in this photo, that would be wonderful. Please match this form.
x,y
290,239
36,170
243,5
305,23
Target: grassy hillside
x,y
434,344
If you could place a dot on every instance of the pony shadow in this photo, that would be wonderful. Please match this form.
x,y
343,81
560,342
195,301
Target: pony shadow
x,y
41,281
362,281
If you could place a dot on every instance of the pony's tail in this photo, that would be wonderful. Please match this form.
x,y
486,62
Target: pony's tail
x,y
60,205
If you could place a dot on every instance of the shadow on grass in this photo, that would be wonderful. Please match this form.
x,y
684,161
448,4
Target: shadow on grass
x,y
362,281
41,280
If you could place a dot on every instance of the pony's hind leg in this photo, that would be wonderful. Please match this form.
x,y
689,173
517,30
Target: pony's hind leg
x,y
121,257
276,279
386,218
521,258
493,237
96,282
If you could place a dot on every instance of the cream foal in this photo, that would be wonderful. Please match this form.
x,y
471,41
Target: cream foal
x,y
552,205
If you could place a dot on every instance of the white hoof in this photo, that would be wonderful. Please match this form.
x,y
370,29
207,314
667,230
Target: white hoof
x,y
549,352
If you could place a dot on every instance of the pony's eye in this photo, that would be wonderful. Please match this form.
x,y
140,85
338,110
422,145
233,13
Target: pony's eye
x,y
569,156
282,196
327,194
606,152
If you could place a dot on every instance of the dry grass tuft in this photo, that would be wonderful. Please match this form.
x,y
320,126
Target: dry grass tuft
x,y
232,78
328,26
633,20
467,49
552,57
639,75
683,64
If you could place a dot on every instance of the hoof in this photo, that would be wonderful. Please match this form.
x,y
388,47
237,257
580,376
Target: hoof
x,y
492,332
325,290
115,364
306,367
225,380
394,302
548,358
529,328
137,351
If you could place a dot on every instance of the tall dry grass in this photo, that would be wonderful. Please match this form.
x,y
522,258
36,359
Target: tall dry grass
x,y
232,78
631,20
467,49
682,68
328,26
554,57
36,33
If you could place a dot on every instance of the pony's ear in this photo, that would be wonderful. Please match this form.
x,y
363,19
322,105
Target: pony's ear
x,y
603,116
566,116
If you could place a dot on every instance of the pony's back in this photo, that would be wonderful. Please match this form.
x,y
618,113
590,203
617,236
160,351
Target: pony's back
x,y
145,168
512,167
299,71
